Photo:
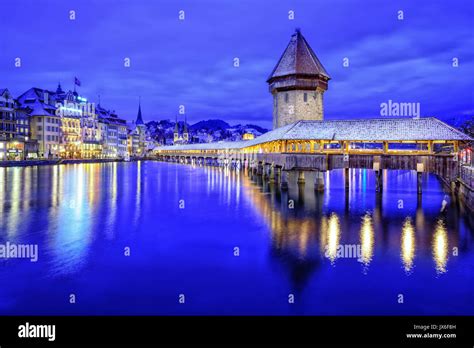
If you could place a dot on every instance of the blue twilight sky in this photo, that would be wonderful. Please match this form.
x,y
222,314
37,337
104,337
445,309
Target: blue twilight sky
x,y
190,62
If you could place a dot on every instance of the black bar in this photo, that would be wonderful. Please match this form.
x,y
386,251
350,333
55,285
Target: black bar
x,y
289,331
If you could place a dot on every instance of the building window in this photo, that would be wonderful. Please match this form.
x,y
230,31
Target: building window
x,y
305,97
40,128
286,97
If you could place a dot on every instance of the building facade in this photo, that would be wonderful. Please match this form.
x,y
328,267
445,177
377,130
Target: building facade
x,y
10,146
45,124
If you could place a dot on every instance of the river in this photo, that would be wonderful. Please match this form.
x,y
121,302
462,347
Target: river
x,y
161,238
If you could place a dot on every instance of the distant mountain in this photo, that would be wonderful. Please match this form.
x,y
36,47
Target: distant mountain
x,y
202,131
210,125
251,127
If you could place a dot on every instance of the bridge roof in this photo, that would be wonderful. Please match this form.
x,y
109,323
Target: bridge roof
x,y
390,129
394,129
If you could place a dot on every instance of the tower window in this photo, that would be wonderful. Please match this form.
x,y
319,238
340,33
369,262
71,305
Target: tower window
x,y
305,97
286,97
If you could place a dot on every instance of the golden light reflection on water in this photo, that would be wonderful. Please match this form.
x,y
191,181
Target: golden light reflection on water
x,y
70,226
407,251
367,239
112,215
14,219
333,235
440,247
304,238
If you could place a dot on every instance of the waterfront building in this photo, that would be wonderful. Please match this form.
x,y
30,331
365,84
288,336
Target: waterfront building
x,y
11,140
122,131
70,113
30,146
91,136
7,115
63,124
103,131
130,139
107,133
22,122
71,136
297,84
116,136
140,136
45,124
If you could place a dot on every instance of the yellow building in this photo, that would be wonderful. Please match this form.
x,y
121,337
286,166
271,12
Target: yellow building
x,y
71,140
91,137
248,136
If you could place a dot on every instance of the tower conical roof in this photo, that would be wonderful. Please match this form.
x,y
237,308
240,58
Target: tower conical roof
x,y
298,59
139,116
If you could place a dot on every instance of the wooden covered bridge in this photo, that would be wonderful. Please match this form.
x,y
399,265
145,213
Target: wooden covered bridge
x,y
419,144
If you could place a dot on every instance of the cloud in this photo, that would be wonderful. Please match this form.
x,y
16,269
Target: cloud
x,y
190,62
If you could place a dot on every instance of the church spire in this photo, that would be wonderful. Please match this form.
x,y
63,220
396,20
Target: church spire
x,y
59,90
176,131
139,116
185,128
176,127
185,131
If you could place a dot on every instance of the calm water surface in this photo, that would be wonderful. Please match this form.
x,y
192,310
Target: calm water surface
x,y
182,224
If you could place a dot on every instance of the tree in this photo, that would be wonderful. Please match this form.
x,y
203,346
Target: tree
x,y
468,127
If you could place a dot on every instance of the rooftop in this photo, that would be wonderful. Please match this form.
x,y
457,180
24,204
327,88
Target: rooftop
x,y
298,59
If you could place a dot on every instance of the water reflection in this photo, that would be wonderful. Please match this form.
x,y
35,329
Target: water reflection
x,y
408,245
367,239
325,218
82,216
440,247
331,230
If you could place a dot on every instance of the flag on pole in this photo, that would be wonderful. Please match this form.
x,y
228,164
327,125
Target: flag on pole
x,y
76,81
